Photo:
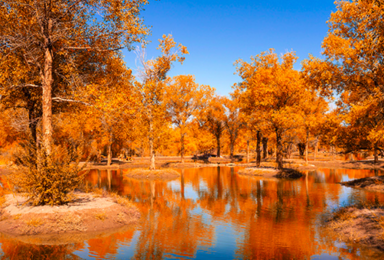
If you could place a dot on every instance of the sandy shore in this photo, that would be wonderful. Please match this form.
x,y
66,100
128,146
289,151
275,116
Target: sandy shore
x,y
87,213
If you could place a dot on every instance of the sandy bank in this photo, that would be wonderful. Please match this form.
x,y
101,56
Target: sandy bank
x,y
87,213
361,225
375,183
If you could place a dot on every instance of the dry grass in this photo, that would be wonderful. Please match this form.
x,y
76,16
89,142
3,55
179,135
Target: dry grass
x,y
34,222
101,216
359,224
121,200
258,172
16,217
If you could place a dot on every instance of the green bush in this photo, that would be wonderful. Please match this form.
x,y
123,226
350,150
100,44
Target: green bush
x,y
48,179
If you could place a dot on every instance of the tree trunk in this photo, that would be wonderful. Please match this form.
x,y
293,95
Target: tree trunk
x,y
218,145
265,148
152,155
47,82
279,150
376,155
306,148
247,151
109,162
316,148
182,147
258,150
333,153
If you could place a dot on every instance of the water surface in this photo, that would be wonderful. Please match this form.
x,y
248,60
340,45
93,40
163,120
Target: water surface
x,y
215,213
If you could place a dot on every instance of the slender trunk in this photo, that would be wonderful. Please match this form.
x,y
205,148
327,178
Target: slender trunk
x,y
247,151
265,148
109,161
316,148
376,155
333,153
279,150
258,150
47,82
151,146
306,147
182,147
218,145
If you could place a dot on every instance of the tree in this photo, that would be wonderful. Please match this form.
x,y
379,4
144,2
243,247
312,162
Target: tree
x,y
353,67
212,119
54,40
233,120
272,86
152,88
184,98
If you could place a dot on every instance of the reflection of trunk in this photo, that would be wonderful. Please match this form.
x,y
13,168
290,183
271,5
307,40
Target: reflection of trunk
x,y
182,146
258,150
219,187
265,148
99,178
110,148
182,183
47,82
153,191
306,148
279,148
247,151
109,173
258,195
376,155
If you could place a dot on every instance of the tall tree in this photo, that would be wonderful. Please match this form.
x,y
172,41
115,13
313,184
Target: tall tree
x,y
152,89
56,39
233,120
273,86
212,119
353,67
184,98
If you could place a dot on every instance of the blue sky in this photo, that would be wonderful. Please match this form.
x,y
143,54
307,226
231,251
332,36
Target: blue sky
x,y
218,32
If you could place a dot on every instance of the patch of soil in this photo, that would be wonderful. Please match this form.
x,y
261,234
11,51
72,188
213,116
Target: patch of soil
x,y
358,225
366,164
375,183
161,174
87,213
287,173
179,165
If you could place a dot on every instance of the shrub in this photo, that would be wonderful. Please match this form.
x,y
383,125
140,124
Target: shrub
x,y
48,179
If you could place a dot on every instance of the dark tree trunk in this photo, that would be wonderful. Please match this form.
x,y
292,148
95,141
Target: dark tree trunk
x,y
258,150
376,154
265,147
218,145
279,149
301,147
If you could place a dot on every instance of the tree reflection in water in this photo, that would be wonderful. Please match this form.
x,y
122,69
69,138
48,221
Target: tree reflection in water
x,y
210,212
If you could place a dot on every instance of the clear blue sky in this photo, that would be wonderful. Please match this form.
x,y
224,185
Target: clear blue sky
x,y
218,32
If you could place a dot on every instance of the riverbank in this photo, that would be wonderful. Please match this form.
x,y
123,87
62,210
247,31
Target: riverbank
x,y
358,224
271,172
375,183
89,212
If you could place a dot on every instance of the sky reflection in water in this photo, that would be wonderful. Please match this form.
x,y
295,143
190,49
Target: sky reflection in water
x,y
214,213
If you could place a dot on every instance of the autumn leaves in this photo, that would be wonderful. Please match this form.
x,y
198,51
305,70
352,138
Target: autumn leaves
x,y
61,64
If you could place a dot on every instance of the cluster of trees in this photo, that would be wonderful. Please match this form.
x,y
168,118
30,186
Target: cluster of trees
x,y
62,77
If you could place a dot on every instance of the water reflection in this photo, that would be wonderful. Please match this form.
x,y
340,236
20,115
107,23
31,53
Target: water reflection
x,y
216,213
